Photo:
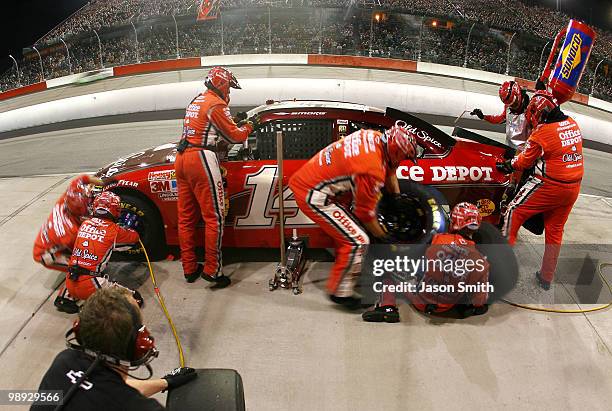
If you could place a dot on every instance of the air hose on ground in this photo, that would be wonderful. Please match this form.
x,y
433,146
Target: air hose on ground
x,y
579,311
162,304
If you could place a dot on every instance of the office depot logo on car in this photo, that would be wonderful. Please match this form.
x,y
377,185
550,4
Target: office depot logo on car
x,y
445,173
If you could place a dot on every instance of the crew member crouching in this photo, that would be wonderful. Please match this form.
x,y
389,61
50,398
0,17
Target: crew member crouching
x,y
97,238
463,286
55,240
361,163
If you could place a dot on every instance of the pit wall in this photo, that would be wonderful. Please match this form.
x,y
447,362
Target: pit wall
x,y
594,115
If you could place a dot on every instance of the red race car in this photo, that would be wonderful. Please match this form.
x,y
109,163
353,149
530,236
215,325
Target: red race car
x,y
449,170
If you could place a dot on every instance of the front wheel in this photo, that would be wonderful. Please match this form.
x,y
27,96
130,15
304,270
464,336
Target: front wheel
x,y
150,227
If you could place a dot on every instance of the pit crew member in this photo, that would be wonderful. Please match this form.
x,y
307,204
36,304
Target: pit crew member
x,y
106,341
53,245
555,148
96,239
207,123
457,245
515,101
361,163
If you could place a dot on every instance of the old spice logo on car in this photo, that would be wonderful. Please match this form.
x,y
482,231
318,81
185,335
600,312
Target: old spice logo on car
x,y
445,173
423,135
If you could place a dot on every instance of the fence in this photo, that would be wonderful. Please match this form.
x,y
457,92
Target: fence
x,y
361,32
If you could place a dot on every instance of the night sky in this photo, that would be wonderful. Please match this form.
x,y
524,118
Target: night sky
x,y
28,20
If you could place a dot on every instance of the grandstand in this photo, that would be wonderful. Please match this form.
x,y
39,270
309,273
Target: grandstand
x,y
505,37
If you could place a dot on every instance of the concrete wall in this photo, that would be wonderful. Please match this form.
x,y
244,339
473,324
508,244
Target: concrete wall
x,y
319,79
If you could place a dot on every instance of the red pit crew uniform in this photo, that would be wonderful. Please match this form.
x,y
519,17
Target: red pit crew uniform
x,y
54,242
96,240
446,247
200,185
517,129
556,151
356,163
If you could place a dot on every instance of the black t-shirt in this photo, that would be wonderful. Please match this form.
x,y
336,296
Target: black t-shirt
x,y
103,390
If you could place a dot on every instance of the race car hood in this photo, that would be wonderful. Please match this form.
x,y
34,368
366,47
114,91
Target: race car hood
x,y
164,154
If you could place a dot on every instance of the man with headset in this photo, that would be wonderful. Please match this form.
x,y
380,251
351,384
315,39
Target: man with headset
x,y
515,101
107,341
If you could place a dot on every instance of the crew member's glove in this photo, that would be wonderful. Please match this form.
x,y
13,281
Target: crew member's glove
x,y
478,113
255,121
396,202
129,220
505,167
179,376
240,116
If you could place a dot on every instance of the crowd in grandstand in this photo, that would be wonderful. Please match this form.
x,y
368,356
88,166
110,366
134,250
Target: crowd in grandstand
x,y
327,26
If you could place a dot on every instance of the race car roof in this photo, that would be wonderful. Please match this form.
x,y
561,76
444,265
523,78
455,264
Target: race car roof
x,y
302,104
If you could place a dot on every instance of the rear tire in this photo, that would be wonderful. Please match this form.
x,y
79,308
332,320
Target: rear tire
x,y
151,229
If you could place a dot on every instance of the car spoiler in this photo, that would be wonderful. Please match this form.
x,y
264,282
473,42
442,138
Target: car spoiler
x,y
430,136
470,135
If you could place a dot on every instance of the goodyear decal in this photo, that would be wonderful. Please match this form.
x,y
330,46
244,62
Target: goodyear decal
x,y
574,54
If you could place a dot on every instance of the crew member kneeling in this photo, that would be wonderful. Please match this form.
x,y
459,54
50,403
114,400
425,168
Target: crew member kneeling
x,y
555,147
97,238
198,176
362,163
106,342
466,286
55,240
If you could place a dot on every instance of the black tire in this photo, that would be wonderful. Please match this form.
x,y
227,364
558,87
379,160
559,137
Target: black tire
x,y
503,267
421,213
150,228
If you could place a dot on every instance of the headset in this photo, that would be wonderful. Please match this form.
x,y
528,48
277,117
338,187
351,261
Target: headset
x,y
140,351
141,346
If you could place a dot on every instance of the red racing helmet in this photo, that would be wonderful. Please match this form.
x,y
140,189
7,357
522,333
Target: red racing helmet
x,y
465,215
510,94
401,144
542,103
107,203
77,199
220,80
